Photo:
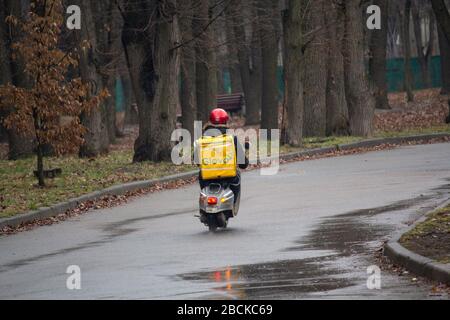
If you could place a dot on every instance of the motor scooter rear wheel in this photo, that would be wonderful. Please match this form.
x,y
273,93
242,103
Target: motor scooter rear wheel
x,y
212,223
215,221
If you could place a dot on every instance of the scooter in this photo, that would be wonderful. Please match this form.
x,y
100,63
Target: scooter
x,y
218,205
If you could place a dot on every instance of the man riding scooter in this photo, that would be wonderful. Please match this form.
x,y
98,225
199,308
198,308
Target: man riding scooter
x,y
220,156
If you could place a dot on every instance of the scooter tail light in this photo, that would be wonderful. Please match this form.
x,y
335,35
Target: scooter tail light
x,y
212,200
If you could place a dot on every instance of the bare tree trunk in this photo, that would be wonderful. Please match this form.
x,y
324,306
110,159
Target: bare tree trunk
x,y
268,32
424,53
406,41
220,80
131,114
377,62
315,74
40,165
20,146
444,48
188,91
442,16
96,139
110,109
5,55
153,67
361,103
108,27
293,59
167,94
253,111
233,65
5,68
188,105
39,146
249,56
337,110
235,77
206,76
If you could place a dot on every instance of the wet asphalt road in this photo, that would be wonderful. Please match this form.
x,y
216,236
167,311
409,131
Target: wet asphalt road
x,y
308,232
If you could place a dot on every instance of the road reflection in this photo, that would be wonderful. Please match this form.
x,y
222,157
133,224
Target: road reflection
x,y
273,279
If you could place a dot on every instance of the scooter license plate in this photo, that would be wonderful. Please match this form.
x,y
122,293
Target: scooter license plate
x,y
212,209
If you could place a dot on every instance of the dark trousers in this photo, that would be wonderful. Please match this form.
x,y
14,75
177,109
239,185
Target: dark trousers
x,y
234,183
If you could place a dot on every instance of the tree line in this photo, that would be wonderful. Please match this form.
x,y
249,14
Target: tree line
x,y
172,56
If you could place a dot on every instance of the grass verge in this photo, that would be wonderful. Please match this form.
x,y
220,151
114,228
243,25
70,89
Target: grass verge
x,y
19,192
431,238
320,142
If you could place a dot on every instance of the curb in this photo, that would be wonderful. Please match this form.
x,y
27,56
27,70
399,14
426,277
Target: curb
x,y
414,262
47,212
394,140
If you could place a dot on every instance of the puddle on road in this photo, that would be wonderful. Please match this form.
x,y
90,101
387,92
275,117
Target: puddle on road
x,y
350,233
345,236
352,236
273,280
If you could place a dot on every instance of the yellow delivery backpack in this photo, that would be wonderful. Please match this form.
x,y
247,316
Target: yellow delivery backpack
x,y
217,157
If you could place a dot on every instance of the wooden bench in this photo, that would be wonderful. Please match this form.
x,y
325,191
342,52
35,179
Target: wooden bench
x,y
230,102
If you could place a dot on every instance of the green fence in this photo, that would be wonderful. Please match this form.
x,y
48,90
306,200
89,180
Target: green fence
x,y
227,81
395,75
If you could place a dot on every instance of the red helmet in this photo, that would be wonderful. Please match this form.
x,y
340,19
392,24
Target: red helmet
x,y
219,116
